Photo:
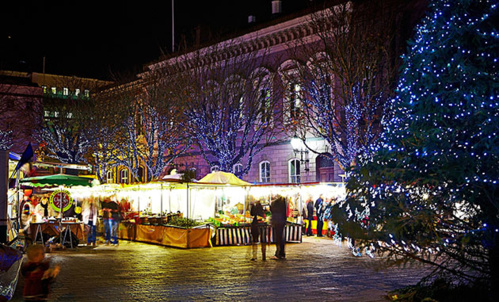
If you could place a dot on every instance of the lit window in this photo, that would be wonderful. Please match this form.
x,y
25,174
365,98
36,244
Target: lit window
x,y
53,90
215,169
264,171
77,91
295,101
86,93
109,177
294,171
124,176
44,88
65,91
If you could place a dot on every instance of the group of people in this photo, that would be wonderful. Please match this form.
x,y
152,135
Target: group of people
x,y
322,212
37,273
279,212
38,209
259,230
110,211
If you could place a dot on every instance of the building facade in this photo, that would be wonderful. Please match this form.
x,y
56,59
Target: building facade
x,y
286,42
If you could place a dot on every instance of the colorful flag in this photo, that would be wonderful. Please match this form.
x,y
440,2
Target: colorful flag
x,y
26,157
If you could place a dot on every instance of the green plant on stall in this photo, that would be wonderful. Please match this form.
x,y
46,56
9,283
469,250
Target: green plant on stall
x,y
183,222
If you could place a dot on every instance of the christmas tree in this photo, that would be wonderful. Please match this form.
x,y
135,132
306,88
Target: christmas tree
x,y
429,187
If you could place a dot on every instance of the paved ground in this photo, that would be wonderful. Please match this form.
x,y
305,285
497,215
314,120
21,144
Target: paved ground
x,y
316,270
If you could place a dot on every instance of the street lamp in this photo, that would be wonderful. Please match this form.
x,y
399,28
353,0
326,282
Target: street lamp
x,y
299,147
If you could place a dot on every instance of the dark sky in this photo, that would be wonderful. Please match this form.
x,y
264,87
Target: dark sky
x,y
94,38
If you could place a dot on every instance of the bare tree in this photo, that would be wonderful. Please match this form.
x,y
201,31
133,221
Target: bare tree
x,y
229,104
347,76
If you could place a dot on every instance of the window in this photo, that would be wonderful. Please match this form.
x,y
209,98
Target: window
x,y
65,91
237,170
215,169
124,176
294,171
140,173
265,171
53,90
294,100
109,177
77,91
44,88
86,93
265,106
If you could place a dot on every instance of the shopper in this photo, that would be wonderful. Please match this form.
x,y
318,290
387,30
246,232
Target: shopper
x,y
106,214
256,235
310,215
319,211
278,209
114,221
90,218
37,274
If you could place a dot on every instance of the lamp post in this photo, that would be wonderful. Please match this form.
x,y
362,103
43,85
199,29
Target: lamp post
x,y
299,147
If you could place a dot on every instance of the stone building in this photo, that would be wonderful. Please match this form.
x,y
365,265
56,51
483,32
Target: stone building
x,y
286,41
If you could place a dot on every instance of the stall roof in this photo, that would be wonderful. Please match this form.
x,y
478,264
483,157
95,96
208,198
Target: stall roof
x,y
223,178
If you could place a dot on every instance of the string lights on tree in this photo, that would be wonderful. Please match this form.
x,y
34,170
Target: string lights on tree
x,y
431,183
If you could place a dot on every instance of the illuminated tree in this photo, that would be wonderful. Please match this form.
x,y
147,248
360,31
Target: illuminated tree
x,y
430,189
230,107
347,75
65,127
162,124
150,131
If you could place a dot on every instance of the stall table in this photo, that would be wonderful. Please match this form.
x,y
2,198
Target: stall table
x,y
52,228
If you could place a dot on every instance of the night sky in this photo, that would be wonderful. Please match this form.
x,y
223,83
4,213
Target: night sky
x,y
95,38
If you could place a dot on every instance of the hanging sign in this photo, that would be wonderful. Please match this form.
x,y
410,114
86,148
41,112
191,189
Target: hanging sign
x,y
61,196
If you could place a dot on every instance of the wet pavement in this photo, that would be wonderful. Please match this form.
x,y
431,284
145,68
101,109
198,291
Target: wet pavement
x,y
315,270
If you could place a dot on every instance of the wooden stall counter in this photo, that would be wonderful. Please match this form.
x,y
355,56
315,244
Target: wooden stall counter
x,y
166,235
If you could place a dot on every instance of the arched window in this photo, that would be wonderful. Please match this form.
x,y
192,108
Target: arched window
x,y
265,171
293,93
294,171
109,177
124,176
215,169
237,169
140,173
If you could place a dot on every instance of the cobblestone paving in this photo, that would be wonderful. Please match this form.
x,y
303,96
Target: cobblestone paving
x,y
315,270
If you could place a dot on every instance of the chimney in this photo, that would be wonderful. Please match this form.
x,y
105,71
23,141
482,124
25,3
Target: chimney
x,y
276,7
251,19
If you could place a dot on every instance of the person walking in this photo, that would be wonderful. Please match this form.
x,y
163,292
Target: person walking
x,y
319,210
106,214
37,274
310,215
114,221
256,235
90,219
278,209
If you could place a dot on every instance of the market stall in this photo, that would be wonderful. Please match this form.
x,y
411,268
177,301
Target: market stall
x,y
60,200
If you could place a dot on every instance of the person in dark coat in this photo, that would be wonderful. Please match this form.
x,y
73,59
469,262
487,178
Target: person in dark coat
x,y
319,210
257,222
278,208
310,215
